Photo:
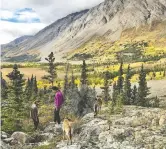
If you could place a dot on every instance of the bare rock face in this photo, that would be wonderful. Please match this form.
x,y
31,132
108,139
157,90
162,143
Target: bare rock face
x,y
107,19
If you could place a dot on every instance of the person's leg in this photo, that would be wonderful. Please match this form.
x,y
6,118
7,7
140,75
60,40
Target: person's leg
x,y
37,123
58,116
35,127
55,117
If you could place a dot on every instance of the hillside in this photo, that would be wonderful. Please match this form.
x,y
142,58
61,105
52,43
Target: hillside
x,y
133,128
112,20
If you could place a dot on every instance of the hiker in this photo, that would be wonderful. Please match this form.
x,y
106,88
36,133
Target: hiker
x,y
97,105
58,101
34,114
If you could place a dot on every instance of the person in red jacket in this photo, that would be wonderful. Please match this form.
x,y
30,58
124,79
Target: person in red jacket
x,y
58,101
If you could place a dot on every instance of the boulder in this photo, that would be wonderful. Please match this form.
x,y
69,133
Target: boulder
x,y
54,128
3,145
19,137
8,140
4,135
47,136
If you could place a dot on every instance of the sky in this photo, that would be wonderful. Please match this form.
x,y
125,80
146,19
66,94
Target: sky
x,y
27,17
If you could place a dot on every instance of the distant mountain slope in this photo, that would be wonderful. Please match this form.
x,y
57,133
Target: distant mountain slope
x,y
16,42
108,19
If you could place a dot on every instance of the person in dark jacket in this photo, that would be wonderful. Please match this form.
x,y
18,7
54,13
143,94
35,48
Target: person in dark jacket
x,y
58,101
34,114
97,106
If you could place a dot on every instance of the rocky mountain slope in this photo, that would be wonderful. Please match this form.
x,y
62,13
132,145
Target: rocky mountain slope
x,y
134,128
107,20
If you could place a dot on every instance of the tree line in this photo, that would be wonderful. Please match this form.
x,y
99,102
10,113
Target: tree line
x,y
18,94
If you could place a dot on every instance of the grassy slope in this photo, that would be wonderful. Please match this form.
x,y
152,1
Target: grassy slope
x,y
101,49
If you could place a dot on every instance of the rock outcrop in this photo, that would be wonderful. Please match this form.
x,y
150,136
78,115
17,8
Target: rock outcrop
x,y
135,128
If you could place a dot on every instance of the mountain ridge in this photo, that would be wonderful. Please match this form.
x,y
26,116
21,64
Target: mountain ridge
x,y
108,19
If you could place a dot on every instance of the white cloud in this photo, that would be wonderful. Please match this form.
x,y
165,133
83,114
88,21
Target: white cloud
x,y
50,10
47,11
9,30
27,16
6,14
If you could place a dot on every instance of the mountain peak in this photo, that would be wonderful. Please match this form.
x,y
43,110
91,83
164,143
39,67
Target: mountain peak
x,y
108,19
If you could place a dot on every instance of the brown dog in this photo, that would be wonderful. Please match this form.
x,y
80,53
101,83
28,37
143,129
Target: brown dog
x,y
67,130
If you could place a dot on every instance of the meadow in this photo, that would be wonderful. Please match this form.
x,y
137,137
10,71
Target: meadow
x,y
155,71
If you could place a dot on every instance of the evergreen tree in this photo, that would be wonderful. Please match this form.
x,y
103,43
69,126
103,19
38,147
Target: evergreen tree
x,y
86,94
164,74
120,78
84,73
32,79
59,85
134,96
15,104
107,76
114,93
154,74
66,84
127,87
119,104
34,88
3,87
28,89
143,90
52,69
72,81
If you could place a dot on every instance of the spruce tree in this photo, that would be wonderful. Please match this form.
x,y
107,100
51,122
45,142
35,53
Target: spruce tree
x,y
127,87
28,89
134,96
15,106
164,74
86,94
3,88
51,69
84,73
66,83
120,78
34,88
154,74
59,85
107,76
114,93
72,81
143,90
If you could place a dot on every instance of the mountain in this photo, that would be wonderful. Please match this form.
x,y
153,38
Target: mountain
x,y
107,20
16,41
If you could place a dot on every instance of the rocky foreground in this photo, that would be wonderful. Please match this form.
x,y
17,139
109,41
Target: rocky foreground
x,y
134,128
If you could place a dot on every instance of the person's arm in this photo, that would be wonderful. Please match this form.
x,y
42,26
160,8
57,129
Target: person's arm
x,y
35,113
57,100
